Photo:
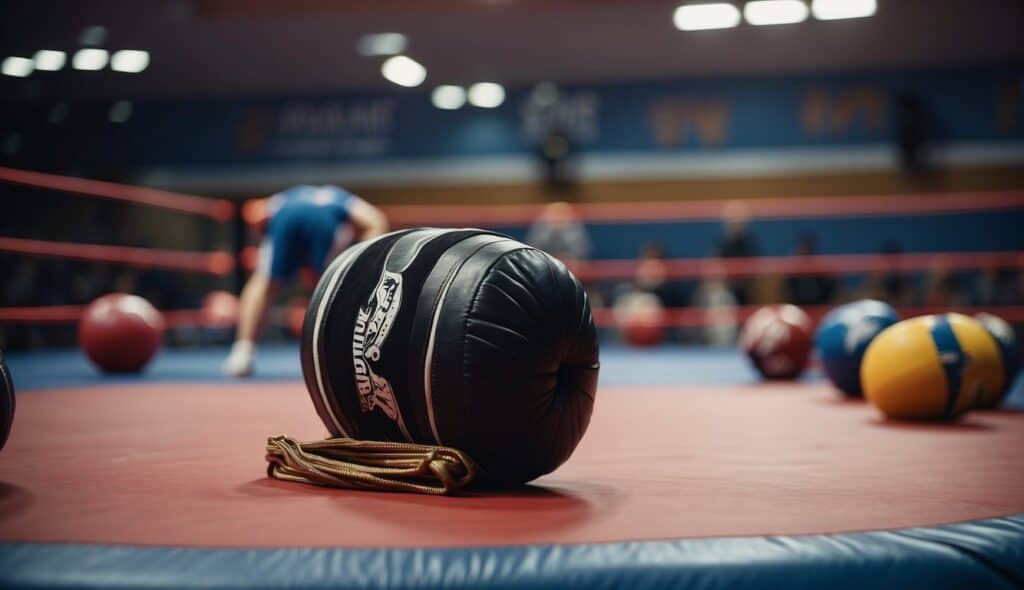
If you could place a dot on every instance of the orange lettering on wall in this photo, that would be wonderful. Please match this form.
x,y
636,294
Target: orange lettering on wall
x,y
838,115
674,120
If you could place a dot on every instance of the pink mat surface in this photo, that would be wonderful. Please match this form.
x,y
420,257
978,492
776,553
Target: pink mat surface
x,y
183,465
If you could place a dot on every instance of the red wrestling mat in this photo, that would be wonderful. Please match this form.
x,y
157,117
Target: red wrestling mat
x,y
183,465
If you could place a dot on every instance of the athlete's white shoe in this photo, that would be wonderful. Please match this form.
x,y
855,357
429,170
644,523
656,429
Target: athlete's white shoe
x,y
239,361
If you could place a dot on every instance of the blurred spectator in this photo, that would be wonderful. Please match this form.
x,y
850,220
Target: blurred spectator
x,y
652,275
894,287
737,242
556,154
996,287
912,132
125,282
809,289
942,289
19,287
721,316
559,232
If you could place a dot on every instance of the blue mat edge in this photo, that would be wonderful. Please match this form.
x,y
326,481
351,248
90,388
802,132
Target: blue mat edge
x,y
979,554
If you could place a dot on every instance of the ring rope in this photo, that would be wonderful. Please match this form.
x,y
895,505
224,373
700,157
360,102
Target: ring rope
x,y
696,317
218,209
677,317
822,264
215,263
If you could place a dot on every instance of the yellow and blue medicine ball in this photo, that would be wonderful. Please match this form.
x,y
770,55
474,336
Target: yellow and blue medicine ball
x,y
1007,341
843,336
931,367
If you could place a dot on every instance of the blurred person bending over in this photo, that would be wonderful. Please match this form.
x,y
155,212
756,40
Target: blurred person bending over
x,y
721,316
305,226
737,242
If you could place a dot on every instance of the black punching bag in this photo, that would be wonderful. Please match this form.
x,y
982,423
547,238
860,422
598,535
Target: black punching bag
x,y
461,338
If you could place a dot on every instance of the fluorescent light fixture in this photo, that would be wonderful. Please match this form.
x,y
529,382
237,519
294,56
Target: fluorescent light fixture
x,y
49,60
775,12
448,97
487,95
382,44
120,111
132,61
701,17
90,59
19,67
404,71
837,9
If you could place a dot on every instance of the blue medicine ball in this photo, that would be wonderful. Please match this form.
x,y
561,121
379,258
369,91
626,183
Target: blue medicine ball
x,y
1008,349
844,335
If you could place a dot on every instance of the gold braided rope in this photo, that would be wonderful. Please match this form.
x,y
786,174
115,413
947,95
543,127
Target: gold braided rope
x,y
370,465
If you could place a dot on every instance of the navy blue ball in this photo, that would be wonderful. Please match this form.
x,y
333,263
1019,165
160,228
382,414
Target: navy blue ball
x,y
1007,341
844,335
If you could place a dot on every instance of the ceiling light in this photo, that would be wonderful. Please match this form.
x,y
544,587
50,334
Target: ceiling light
x,y
382,44
49,60
90,59
404,71
775,12
700,17
836,9
132,61
448,97
19,67
486,95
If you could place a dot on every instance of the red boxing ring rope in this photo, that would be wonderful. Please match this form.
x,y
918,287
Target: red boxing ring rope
x,y
695,317
673,317
216,263
823,264
217,209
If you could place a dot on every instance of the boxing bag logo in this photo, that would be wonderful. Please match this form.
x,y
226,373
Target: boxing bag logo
x,y
373,324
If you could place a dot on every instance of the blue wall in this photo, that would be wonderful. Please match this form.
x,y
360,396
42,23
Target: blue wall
x,y
969,104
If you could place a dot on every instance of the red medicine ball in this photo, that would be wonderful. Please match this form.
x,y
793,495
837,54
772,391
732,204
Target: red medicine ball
x,y
120,333
641,319
777,338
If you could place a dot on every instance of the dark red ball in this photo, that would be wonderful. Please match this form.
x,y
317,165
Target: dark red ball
x,y
120,333
777,338
641,319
